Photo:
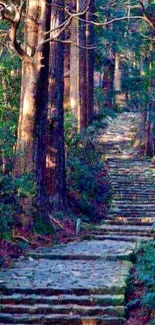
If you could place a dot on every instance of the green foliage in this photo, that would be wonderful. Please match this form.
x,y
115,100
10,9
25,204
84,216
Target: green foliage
x,y
102,111
41,227
145,273
70,126
12,191
9,105
84,165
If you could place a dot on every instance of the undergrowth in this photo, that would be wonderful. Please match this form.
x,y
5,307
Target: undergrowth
x,y
145,273
12,191
87,184
145,279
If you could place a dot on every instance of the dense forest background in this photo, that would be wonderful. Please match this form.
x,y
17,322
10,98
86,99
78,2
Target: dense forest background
x,y
65,67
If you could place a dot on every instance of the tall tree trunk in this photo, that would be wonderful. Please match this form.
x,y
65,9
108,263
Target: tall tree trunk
x,y
117,80
74,67
90,34
24,160
83,121
67,77
42,59
108,82
145,139
30,148
150,114
55,159
78,68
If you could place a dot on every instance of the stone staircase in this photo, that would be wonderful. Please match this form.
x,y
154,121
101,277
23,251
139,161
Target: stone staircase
x,y
84,283
132,209
132,212
79,283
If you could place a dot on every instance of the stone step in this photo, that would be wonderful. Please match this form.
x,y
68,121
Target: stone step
x,y
124,228
135,180
118,195
104,290
135,211
123,173
131,184
131,171
134,199
84,250
126,216
117,311
133,189
126,205
56,277
130,209
135,161
143,197
126,256
59,319
124,233
92,300
129,221
119,237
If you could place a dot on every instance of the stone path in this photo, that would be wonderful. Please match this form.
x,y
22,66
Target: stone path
x,y
132,211
84,283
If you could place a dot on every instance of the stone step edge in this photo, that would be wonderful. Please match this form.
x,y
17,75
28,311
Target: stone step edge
x,y
127,222
114,290
123,238
81,310
63,319
111,257
114,300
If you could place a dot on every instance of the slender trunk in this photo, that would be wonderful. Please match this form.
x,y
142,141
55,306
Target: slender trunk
x,y
4,88
83,121
117,81
145,140
55,159
74,68
78,69
66,77
90,33
108,78
150,122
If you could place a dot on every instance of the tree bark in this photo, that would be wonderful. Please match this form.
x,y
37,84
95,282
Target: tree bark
x,y
78,68
67,77
55,157
31,142
42,59
90,34
108,82
117,80
74,67
144,142
24,160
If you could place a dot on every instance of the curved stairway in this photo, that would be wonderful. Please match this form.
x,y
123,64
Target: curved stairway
x,y
84,283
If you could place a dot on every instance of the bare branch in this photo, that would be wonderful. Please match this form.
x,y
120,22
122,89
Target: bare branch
x,y
14,25
114,20
146,16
